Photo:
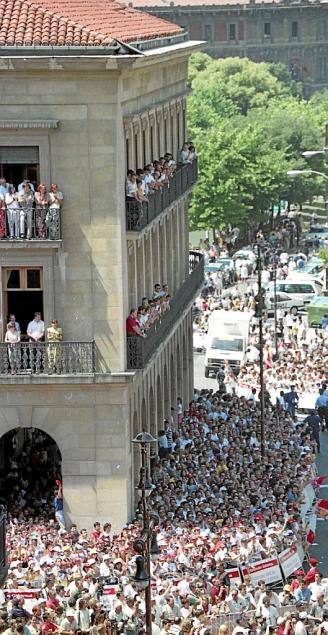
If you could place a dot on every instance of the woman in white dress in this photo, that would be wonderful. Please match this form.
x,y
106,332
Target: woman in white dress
x,y
12,337
55,198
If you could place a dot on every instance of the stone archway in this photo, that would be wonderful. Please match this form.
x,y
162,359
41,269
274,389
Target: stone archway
x,y
31,462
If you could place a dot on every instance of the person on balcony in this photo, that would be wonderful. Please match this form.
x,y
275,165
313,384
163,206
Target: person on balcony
x,y
132,325
13,212
140,193
26,201
2,218
41,202
35,329
55,199
12,320
23,183
54,335
4,187
12,337
131,186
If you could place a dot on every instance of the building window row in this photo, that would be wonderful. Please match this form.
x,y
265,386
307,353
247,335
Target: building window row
x,y
234,31
154,134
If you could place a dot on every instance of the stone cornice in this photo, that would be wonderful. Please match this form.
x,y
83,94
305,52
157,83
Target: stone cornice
x,y
24,124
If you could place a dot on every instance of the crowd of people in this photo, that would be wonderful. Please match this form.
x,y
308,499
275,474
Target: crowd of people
x,y
140,320
29,213
224,498
142,183
219,505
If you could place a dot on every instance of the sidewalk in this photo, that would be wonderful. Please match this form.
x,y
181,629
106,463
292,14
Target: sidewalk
x,y
320,547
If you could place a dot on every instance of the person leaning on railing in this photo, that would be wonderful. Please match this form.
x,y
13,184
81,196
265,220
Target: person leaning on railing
x,y
12,337
133,326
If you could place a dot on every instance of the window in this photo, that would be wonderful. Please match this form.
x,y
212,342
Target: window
x,y
208,33
322,28
22,294
232,32
294,28
267,29
18,163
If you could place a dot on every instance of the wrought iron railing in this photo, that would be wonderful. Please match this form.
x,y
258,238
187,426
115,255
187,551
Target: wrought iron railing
x,y
139,349
47,358
138,215
29,223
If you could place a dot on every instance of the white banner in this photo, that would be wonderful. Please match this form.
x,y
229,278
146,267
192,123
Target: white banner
x,y
234,575
109,594
30,596
267,570
290,560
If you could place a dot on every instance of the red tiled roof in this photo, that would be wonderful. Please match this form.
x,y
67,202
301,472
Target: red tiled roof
x,y
76,23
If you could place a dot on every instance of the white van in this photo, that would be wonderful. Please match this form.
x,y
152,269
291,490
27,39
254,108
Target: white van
x,y
303,289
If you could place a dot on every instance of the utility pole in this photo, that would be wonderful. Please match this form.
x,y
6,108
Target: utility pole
x,y
259,314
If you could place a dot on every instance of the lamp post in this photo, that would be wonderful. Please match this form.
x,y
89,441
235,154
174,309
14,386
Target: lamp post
x,y
259,315
274,271
146,545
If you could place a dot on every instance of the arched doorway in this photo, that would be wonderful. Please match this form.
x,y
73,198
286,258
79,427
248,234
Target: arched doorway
x,y
30,462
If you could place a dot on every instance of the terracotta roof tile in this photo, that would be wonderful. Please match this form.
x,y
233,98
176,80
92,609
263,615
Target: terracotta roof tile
x,y
76,23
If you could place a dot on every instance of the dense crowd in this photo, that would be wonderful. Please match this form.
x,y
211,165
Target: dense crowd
x,y
150,310
27,213
142,183
224,498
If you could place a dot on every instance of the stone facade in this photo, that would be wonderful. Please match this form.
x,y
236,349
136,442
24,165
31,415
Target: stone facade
x,y
91,117
295,34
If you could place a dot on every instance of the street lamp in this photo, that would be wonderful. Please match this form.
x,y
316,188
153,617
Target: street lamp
x,y
293,173
146,545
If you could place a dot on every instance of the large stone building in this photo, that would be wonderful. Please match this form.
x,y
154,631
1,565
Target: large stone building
x,y
292,32
87,90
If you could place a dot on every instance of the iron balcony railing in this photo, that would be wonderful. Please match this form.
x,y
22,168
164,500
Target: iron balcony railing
x,y
139,215
47,358
29,223
139,349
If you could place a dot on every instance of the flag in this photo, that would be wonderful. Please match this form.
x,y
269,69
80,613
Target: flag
x,y
319,480
322,508
310,536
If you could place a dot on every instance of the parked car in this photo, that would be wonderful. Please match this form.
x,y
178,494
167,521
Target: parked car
x,y
284,301
304,290
316,235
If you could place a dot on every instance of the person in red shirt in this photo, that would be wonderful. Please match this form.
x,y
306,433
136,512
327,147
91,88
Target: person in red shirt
x,y
48,626
132,324
96,533
52,602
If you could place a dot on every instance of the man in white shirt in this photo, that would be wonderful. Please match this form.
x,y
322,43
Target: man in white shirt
x,y
35,329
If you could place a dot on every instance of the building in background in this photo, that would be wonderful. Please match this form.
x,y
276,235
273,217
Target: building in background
x,y
87,91
294,33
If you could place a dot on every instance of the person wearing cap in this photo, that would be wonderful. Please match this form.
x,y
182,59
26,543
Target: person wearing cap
x,y
300,626
68,625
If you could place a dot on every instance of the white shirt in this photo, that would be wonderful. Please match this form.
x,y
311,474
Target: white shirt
x,y
36,328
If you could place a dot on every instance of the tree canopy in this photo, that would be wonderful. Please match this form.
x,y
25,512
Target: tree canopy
x,y
250,126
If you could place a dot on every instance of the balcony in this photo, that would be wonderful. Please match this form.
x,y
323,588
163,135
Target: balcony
x,y
47,358
33,225
139,215
139,349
